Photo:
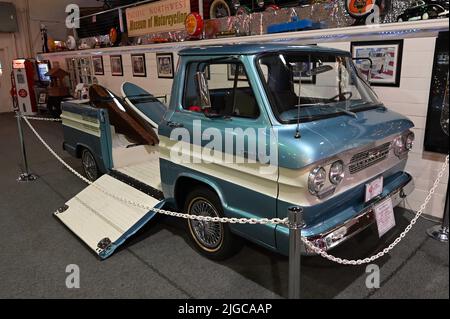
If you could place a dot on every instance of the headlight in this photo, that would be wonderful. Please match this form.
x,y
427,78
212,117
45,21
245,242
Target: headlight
x,y
399,146
337,172
403,144
316,180
409,142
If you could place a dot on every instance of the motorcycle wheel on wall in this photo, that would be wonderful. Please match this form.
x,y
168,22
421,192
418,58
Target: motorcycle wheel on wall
x,y
220,9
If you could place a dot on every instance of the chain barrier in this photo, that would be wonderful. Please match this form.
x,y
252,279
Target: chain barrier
x,y
35,118
252,221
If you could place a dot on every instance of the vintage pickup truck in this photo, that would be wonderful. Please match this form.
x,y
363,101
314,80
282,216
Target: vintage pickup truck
x,y
251,130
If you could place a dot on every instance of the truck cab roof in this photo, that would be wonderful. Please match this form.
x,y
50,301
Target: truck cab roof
x,y
256,48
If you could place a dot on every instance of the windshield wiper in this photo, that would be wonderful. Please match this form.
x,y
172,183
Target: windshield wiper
x,y
350,113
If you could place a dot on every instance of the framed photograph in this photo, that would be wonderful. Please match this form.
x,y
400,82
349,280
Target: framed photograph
x,y
164,65
242,76
208,72
386,57
42,98
301,73
138,65
116,65
97,62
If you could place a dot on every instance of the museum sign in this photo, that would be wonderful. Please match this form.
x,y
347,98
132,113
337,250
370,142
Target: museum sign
x,y
162,16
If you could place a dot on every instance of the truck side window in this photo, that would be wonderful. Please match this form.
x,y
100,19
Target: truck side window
x,y
229,89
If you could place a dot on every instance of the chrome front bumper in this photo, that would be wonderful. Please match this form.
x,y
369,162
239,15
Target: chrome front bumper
x,y
364,219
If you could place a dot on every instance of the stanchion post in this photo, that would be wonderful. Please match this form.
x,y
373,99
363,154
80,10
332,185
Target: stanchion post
x,y
296,223
25,176
440,232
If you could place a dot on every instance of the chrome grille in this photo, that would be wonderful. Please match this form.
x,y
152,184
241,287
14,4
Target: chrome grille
x,y
368,158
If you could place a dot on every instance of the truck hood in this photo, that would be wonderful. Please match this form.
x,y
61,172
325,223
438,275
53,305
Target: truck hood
x,y
328,137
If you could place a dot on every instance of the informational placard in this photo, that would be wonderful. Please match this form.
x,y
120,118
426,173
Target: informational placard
x,y
384,215
159,16
374,188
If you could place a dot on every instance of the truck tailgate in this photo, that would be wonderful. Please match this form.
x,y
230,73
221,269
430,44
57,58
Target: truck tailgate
x,y
102,221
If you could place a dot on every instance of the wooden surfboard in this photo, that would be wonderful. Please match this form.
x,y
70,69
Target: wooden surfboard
x,y
125,120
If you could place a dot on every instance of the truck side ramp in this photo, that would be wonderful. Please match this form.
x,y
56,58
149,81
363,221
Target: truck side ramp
x,y
103,222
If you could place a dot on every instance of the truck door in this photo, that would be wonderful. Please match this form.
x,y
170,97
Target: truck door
x,y
238,153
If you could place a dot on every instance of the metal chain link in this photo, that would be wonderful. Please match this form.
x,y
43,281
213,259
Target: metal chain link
x,y
252,221
35,118
385,251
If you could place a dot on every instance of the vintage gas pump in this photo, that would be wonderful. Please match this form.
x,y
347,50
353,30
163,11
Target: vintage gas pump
x,y
24,73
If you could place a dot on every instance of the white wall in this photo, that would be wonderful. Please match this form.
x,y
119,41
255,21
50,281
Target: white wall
x,y
152,83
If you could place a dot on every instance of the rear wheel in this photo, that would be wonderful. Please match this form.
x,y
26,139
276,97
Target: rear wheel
x,y
90,167
213,240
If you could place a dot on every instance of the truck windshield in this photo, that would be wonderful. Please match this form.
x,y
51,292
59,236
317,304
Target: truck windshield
x,y
314,86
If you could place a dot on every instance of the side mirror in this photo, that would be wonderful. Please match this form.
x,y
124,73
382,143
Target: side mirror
x,y
203,90
365,67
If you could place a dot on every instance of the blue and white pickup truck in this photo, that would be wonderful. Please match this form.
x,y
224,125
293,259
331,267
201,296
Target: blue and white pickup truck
x,y
251,130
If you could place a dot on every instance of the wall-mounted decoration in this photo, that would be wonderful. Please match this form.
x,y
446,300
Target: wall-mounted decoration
x,y
138,65
302,72
362,10
42,98
436,131
156,17
116,65
386,57
97,62
164,65
232,72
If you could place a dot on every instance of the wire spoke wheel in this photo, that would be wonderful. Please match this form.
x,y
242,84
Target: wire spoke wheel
x,y
89,165
209,235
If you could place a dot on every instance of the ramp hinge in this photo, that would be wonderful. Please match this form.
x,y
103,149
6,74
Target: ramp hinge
x,y
104,243
62,209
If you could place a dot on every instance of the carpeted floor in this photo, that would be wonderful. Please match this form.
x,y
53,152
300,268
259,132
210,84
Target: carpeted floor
x,y
159,263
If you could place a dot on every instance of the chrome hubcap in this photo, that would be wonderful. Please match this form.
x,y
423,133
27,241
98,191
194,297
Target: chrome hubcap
x,y
89,166
208,234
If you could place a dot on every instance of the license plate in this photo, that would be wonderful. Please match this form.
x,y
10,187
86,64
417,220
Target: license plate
x,y
384,215
374,188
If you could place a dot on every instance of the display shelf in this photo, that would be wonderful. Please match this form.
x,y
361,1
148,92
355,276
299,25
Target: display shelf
x,y
402,30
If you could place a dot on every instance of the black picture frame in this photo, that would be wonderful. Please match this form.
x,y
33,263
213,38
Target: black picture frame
x,y
386,56
305,80
138,70
119,65
231,72
164,65
98,66
436,139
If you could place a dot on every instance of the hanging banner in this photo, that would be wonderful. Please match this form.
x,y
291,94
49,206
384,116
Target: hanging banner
x,y
160,16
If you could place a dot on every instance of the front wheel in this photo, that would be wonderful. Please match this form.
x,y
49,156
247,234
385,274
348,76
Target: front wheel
x,y
213,240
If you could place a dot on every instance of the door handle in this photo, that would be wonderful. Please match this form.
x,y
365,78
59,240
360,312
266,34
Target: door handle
x,y
174,124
